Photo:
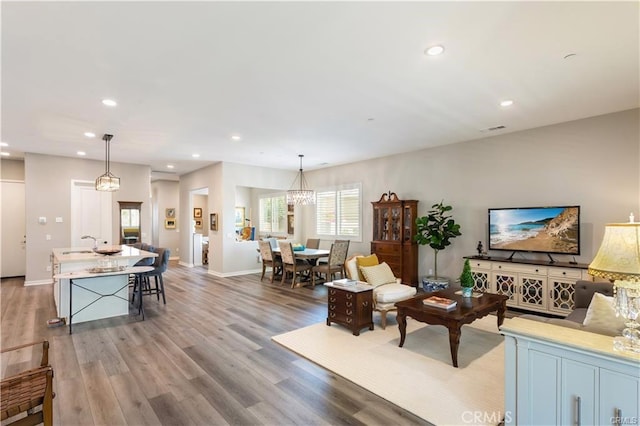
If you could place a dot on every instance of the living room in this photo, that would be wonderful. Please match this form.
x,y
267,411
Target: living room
x,y
592,161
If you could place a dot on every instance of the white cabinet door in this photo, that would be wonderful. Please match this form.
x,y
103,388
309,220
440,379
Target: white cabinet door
x,y
540,400
578,393
481,272
619,398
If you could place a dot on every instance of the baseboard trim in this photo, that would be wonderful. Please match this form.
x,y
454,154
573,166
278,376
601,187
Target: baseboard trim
x,y
38,282
233,274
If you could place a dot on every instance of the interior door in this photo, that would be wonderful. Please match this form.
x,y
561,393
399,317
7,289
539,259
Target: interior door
x,y
13,230
91,213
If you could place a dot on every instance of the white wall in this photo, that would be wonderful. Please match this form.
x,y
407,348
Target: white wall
x,y
593,163
226,255
166,195
48,193
12,170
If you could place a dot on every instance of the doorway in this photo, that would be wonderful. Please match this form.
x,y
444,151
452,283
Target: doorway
x,y
14,259
130,230
200,227
91,214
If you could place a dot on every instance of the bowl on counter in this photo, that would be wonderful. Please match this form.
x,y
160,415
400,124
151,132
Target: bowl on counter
x,y
108,251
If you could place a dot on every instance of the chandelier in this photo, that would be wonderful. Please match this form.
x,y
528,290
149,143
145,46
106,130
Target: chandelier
x,y
300,195
107,181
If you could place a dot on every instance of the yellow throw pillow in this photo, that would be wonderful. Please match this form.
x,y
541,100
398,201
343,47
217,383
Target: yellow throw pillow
x,y
378,275
601,316
361,261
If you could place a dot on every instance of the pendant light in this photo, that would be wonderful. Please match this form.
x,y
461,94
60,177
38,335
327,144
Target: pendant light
x,y
107,181
300,195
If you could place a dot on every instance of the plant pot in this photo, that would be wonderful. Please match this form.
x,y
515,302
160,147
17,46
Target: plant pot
x,y
431,283
467,291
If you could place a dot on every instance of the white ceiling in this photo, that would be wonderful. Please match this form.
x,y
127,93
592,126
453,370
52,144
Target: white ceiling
x,y
338,82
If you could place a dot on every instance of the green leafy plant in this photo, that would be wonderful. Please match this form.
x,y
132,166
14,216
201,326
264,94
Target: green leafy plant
x,y
466,279
436,230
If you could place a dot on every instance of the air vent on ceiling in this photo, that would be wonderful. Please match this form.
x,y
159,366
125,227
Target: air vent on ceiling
x,y
493,129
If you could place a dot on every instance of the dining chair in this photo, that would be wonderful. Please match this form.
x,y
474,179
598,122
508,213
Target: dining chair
x,y
291,264
268,259
335,263
313,243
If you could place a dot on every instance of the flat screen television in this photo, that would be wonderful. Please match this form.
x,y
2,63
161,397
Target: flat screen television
x,y
551,230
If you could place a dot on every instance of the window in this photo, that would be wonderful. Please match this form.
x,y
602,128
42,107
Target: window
x,y
273,214
338,212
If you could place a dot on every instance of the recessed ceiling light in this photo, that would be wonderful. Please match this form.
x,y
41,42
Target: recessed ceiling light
x,y
109,102
81,153
195,155
5,154
90,134
170,166
4,144
506,103
434,50
235,137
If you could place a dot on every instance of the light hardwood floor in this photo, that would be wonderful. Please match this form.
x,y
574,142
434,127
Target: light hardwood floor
x,y
206,358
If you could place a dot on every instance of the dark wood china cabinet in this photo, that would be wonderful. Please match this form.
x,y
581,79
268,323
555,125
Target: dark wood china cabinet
x,y
394,225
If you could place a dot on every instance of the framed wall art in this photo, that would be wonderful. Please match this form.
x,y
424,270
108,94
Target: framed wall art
x,y
198,223
239,217
171,212
170,224
213,221
197,213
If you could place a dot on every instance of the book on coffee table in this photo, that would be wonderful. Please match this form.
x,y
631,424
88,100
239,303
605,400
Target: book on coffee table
x,y
440,302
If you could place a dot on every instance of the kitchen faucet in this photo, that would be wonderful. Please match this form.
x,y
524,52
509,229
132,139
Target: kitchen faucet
x,y
95,240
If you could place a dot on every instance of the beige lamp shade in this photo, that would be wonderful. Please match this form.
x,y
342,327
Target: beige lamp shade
x,y
619,255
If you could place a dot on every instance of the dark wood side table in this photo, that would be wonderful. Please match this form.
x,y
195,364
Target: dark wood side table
x,y
466,311
350,306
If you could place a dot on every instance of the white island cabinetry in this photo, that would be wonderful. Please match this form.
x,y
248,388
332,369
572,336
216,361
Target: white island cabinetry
x,y
69,260
560,376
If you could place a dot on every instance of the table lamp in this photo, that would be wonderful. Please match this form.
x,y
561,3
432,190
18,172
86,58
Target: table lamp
x,y
618,260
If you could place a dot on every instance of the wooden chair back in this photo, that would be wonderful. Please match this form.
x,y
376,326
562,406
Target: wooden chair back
x,y
338,253
286,251
25,391
265,251
313,243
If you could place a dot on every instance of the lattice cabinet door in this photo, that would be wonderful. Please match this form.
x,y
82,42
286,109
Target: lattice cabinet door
x,y
561,296
481,273
506,283
533,290
562,289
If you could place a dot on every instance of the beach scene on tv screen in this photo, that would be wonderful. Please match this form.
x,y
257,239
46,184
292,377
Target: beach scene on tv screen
x,y
552,230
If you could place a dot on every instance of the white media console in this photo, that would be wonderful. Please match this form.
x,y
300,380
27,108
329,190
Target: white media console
x,y
530,284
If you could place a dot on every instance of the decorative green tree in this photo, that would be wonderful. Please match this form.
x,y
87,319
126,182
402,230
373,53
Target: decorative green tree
x,y
436,229
466,279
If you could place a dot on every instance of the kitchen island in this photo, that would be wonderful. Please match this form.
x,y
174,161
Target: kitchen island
x,y
103,294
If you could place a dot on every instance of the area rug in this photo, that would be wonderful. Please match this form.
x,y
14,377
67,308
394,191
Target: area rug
x,y
418,377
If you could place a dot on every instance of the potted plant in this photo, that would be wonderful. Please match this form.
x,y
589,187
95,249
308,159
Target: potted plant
x,y
466,280
436,230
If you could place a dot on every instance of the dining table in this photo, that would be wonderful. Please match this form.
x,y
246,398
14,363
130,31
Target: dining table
x,y
312,255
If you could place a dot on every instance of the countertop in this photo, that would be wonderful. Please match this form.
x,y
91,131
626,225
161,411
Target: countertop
x,y
88,274
86,254
565,336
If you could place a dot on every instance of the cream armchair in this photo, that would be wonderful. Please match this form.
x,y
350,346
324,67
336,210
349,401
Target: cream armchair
x,y
385,295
